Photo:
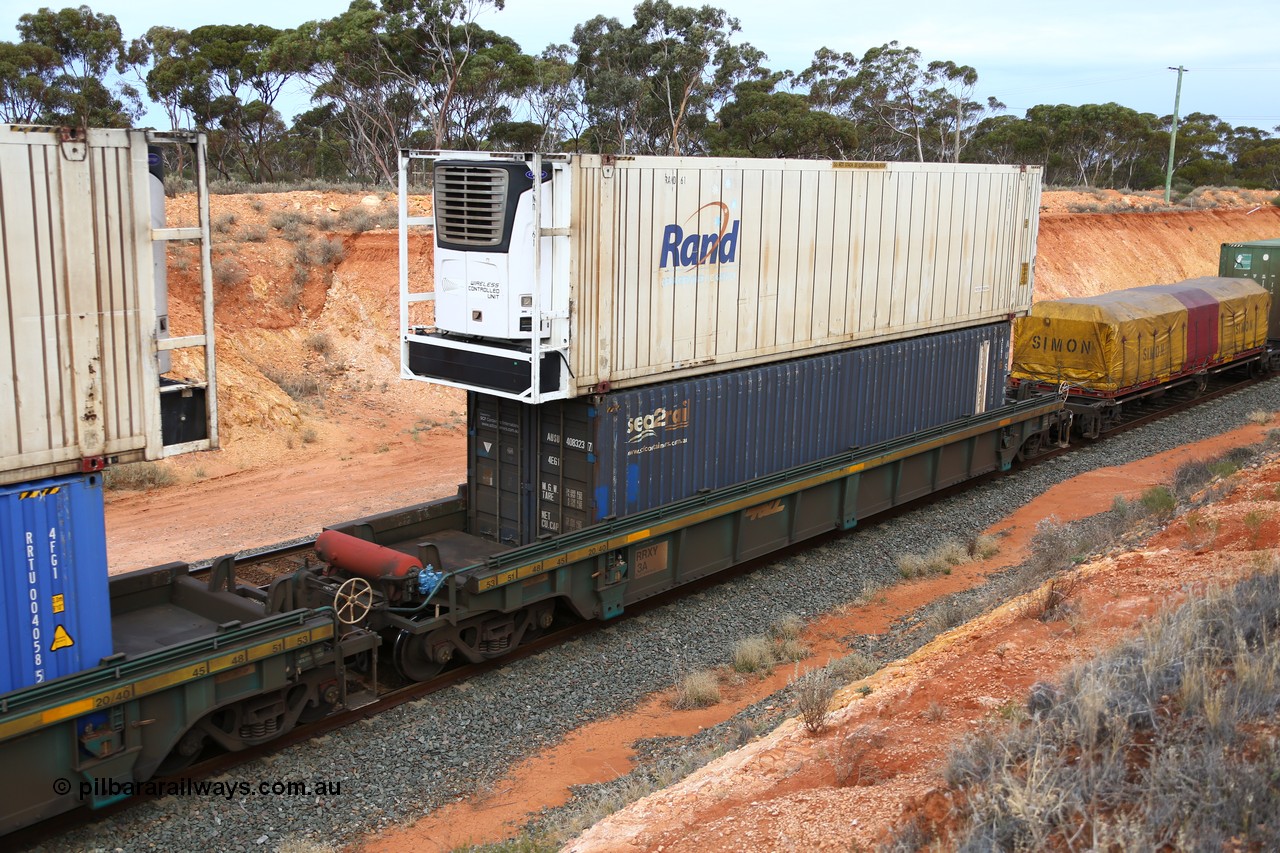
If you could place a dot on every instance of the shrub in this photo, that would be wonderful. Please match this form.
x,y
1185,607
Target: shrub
x,y
319,343
791,650
357,219
752,654
814,691
1259,417
299,386
282,219
853,667
1223,468
937,562
947,614
1049,603
294,232
223,223
1253,521
698,690
1159,501
253,234
228,272
1128,750
324,251
1189,477
137,476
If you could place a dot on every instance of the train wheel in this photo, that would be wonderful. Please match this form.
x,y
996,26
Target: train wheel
x,y
255,720
1031,447
183,754
417,658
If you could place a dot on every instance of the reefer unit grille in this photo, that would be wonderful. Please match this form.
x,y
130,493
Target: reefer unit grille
x,y
470,204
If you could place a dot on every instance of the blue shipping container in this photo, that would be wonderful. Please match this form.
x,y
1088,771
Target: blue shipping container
x,y
642,448
55,610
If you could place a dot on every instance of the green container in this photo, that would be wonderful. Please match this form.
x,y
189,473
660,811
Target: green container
x,y
1260,261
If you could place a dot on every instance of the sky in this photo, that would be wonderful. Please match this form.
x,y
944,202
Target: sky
x,y
1085,51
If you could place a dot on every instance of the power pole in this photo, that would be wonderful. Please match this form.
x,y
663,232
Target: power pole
x,y
1173,135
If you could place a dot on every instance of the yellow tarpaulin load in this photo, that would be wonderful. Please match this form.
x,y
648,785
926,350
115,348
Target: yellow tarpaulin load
x,y
1133,338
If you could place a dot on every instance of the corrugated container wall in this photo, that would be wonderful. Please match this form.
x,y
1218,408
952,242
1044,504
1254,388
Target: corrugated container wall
x,y
1260,261
554,468
77,371
678,267
54,607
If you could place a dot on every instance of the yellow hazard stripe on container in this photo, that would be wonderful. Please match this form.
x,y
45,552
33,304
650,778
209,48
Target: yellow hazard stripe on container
x,y
163,681
517,573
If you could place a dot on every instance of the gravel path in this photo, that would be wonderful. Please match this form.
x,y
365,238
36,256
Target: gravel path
x,y
419,756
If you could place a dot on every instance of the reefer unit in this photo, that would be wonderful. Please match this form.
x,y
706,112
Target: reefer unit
x,y
54,608
1121,341
1260,261
86,336
560,466
594,272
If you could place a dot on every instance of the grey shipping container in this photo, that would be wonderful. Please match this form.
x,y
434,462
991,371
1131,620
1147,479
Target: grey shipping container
x,y
54,607
1260,261
545,470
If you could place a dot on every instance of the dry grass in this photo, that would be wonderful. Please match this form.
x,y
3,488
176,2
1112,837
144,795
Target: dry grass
x,y
853,667
787,627
939,561
1164,743
137,476
753,655
228,272
299,386
698,690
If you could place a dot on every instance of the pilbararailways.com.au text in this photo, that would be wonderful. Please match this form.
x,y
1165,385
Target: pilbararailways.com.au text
x,y
98,788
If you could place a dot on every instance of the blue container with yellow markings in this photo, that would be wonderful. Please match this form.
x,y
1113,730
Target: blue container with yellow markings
x,y
55,613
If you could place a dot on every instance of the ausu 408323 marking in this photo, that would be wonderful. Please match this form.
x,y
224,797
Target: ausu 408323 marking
x,y
696,249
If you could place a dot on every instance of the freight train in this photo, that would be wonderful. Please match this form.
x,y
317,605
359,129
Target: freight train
x,y
730,356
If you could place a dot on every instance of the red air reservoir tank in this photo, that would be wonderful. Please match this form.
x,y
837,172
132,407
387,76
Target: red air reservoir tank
x,y
358,557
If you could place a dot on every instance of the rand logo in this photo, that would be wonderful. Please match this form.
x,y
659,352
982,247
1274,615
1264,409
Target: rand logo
x,y
692,249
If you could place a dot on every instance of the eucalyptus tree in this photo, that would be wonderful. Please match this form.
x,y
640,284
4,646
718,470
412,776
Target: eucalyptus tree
x,y
177,73
651,87
395,68
902,107
28,82
1200,152
86,88
763,122
554,100
235,81
1255,156
345,64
